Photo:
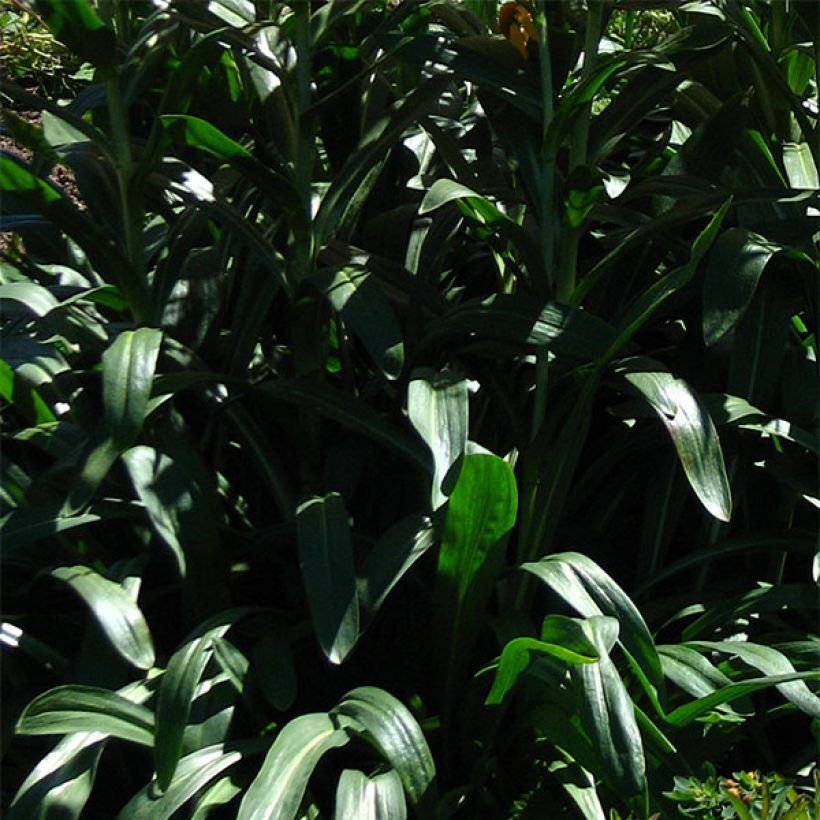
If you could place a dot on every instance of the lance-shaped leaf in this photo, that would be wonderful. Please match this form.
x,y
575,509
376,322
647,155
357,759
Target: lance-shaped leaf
x,y
395,732
735,265
561,637
175,698
60,784
438,408
164,494
326,556
195,771
117,614
590,591
691,429
607,711
370,798
771,662
392,556
128,372
354,293
277,791
87,709
481,511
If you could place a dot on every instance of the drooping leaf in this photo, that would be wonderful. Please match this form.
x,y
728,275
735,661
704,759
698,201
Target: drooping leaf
x,y
590,591
326,556
62,781
370,798
691,429
195,772
736,263
175,698
392,556
353,292
771,662
76,708
397,735
438,408
117,614
128,373
278,788
607,711
561,637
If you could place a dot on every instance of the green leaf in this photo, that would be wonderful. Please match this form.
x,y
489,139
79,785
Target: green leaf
x,y
326,557
438,408
655,295
590,591
607,711
561,637
33,297
735,265
684,715
161,488
356,415
118,616
369,798
76,23
199,133
691,429
195,772
481,511
513,319
771,662
278,788
354,293
128,373
392,556
800,167
175,698
397,735
691,671
60,784
78,708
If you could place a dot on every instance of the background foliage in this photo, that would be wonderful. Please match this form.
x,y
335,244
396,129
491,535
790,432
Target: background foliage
x,y
411,419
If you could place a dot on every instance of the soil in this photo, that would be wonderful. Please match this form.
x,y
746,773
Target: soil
x,y
60,176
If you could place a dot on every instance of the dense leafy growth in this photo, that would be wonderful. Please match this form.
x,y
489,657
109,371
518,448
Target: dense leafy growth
x,y
412,420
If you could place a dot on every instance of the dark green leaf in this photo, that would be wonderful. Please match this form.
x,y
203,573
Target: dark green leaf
x,y
117,614
735,265
128,373
326,557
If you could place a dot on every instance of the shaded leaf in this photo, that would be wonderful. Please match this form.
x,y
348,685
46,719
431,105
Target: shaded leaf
x,y
326,557
117,614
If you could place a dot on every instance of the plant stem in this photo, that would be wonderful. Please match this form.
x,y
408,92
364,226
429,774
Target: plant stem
x,y
568,261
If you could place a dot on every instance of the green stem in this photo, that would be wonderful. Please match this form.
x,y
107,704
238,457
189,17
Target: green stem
x,y
568,263
131,210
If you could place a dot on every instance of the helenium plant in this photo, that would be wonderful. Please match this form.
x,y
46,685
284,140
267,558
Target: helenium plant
x,y
412,419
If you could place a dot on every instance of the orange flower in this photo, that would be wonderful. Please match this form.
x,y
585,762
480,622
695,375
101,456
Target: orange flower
x,y
515,23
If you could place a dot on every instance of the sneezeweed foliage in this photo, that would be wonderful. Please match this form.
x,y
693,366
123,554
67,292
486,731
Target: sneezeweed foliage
x,y
414,420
